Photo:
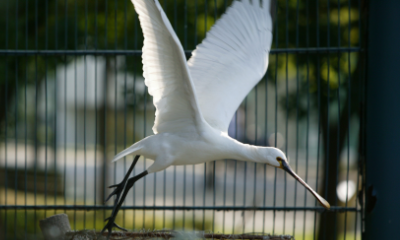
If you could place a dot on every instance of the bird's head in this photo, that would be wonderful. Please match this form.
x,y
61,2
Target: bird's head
x,y
277,158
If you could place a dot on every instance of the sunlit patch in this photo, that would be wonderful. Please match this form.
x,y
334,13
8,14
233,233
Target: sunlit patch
x,y
344,187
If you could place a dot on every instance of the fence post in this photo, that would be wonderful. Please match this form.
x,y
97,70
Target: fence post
x,y
382,219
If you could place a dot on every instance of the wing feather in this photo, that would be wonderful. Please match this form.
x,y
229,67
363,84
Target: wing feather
x,y
231,60
166,72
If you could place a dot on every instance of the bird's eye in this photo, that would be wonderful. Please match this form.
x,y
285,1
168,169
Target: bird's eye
x,y
279,159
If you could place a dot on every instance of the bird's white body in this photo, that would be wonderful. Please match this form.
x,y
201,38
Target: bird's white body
x,y
182,148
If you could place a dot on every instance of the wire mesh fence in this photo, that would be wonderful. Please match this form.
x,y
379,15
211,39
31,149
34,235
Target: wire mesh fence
x,y
73,95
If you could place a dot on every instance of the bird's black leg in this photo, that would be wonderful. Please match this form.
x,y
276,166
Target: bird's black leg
x,y
119,187
111,220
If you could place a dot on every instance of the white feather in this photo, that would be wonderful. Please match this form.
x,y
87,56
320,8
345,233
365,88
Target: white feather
x,y
166,72
231,60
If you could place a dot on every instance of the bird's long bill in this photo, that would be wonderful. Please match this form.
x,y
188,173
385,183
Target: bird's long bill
x,y
321,200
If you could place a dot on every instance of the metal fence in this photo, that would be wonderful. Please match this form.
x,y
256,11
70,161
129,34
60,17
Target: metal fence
x,y
72,96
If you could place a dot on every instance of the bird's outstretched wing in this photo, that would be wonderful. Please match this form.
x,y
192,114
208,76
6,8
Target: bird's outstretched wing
x,y
231,60
166,72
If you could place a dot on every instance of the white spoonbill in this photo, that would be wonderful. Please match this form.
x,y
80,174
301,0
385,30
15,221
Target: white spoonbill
x,y
196,100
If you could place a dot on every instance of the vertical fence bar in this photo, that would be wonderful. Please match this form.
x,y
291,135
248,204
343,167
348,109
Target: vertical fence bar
x,y
287,109
85,92
65,103
193,167
36,116
245,165
308,114
276,109
125,94
115,110
135,40
6,127
205,164
348,122
319,115
55,109
46,122
225,169
327,160
26,123
235,174
214,180
338,121
75,111
297,116
16,122
361,157
174,177
184,167
96,129
266,143
144,165
307,126
105,106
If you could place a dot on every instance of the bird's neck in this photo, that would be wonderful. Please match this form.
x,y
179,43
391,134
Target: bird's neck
x,y
249,153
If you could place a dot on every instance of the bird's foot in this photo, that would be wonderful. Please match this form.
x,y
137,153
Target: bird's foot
x,y
110,224
117,191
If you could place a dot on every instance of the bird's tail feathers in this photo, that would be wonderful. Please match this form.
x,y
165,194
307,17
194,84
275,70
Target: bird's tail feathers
x,y
130,150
